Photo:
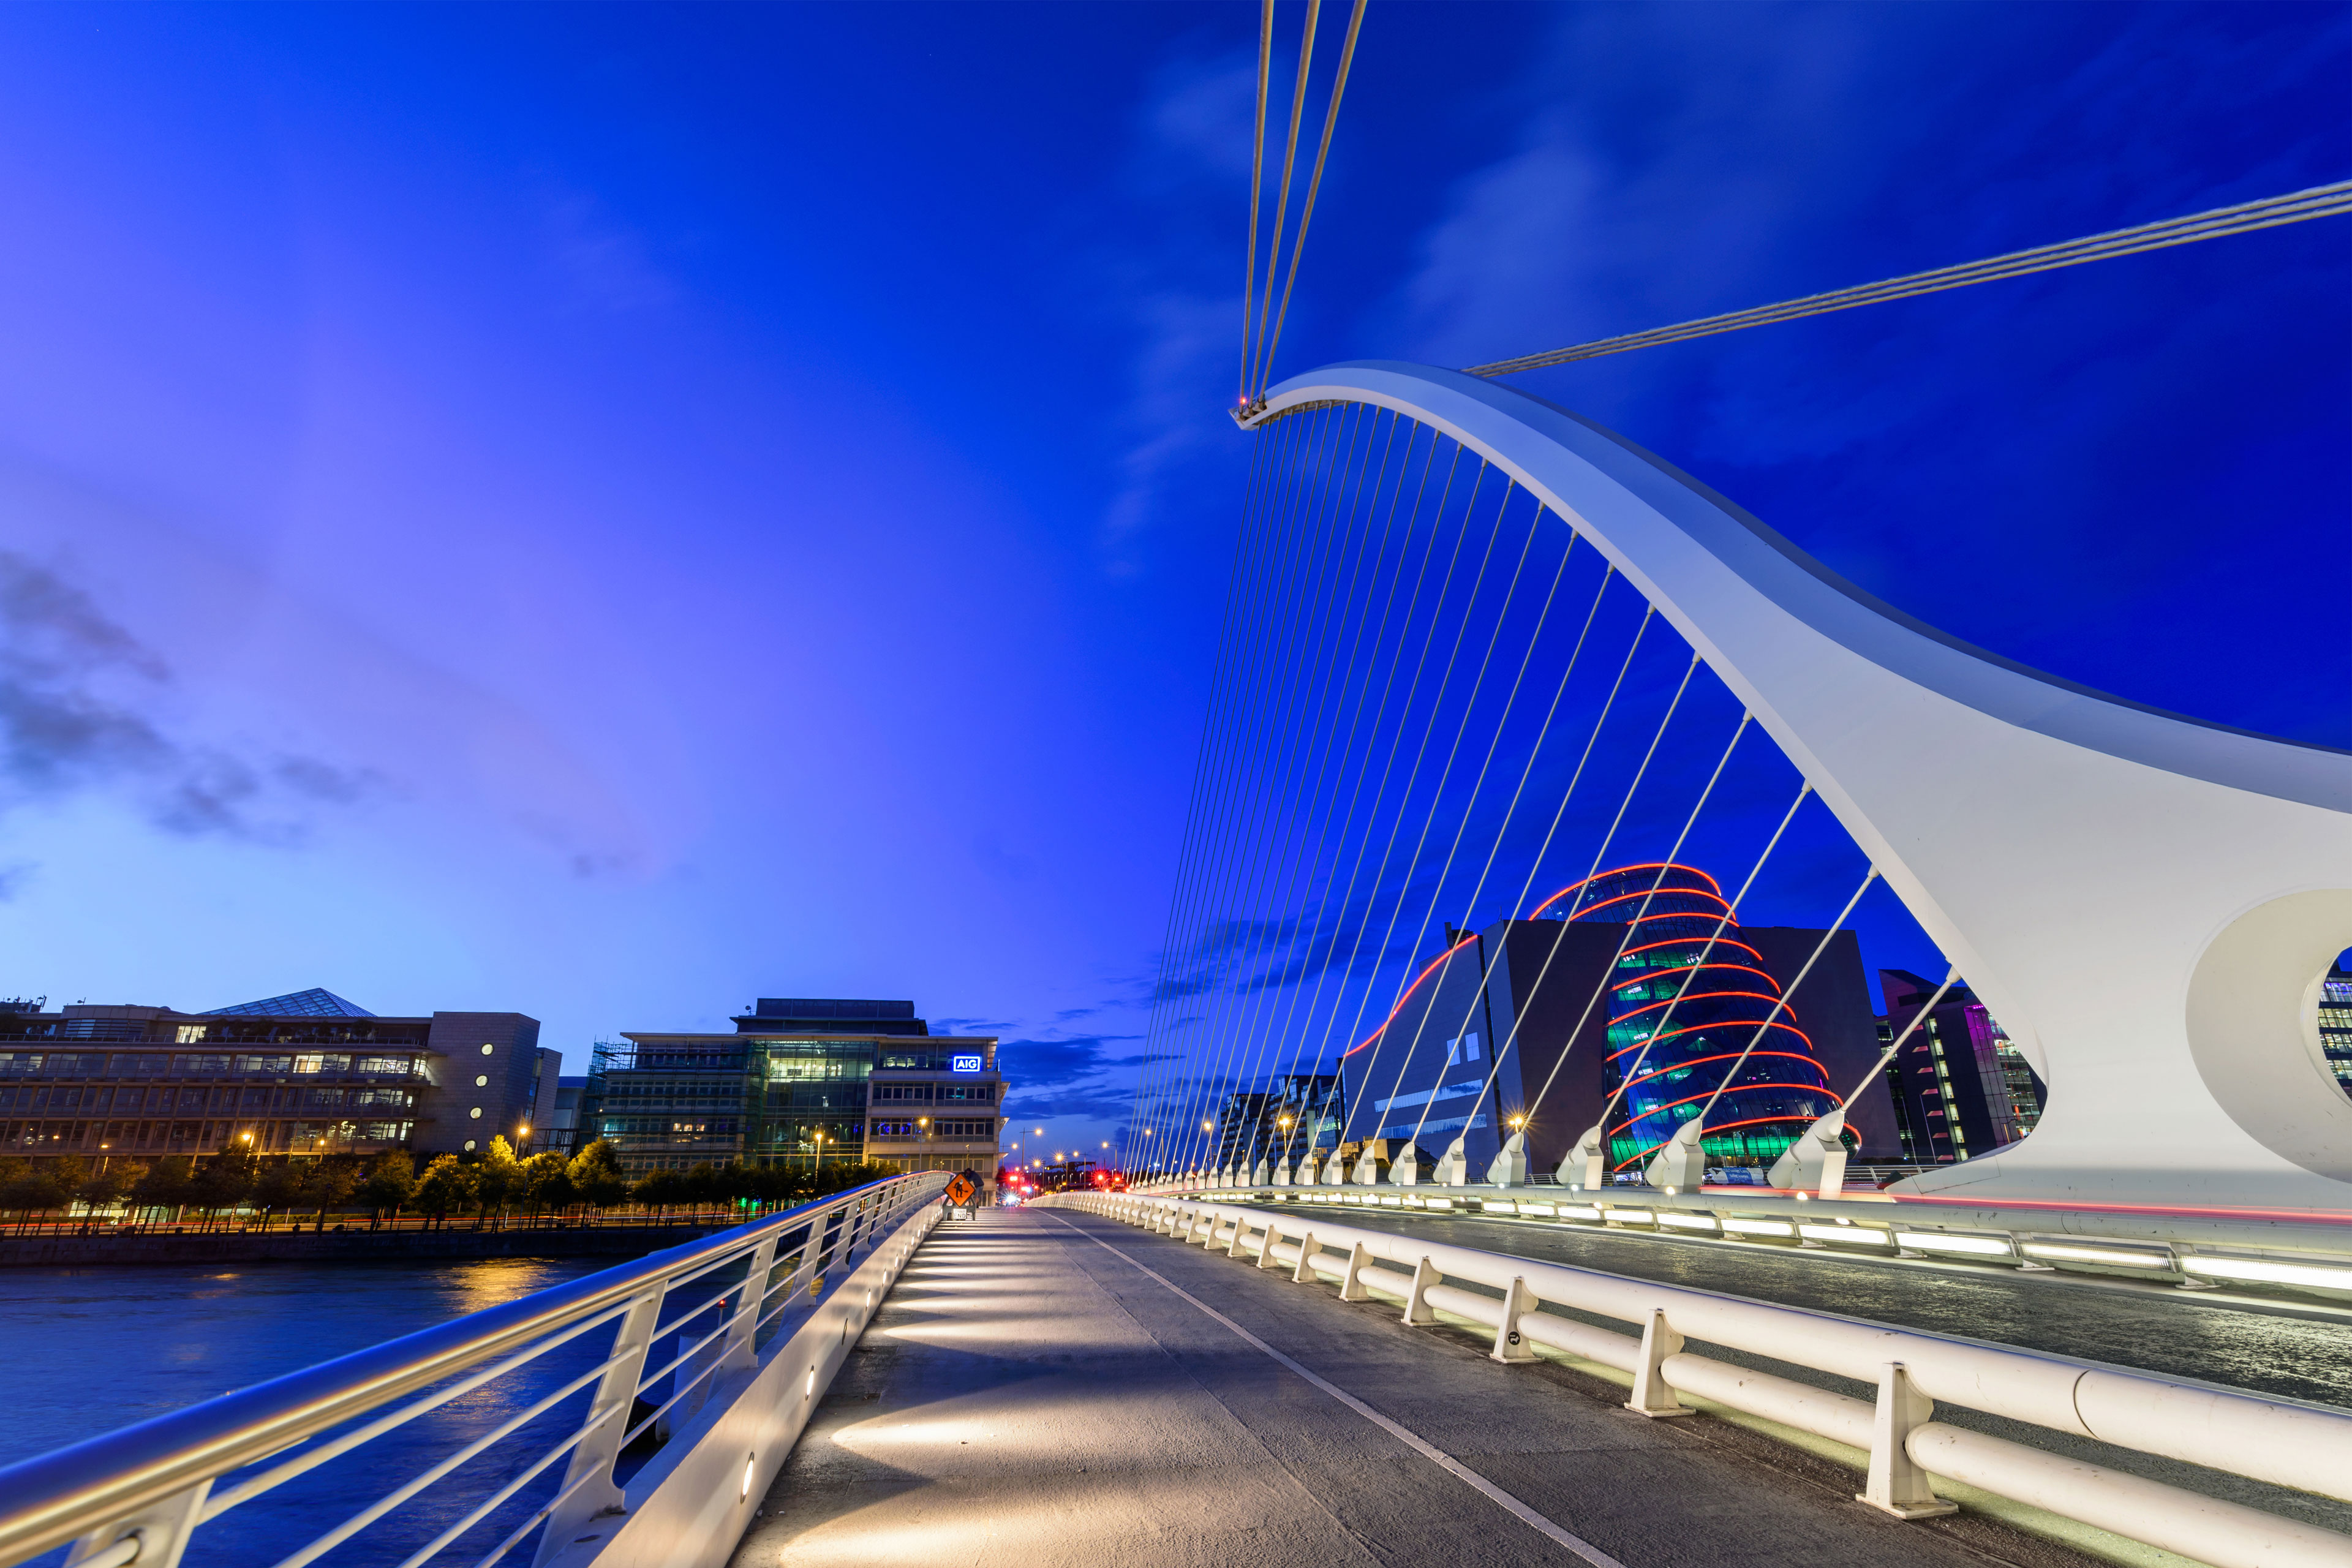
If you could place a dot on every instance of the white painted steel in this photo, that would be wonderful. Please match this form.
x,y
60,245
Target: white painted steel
x,y
2144,901
2284,1442
154,1480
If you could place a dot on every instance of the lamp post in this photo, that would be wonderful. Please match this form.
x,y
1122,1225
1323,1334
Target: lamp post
x,y
819,1140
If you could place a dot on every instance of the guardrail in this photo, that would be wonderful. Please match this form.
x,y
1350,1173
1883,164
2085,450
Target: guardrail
x,y
2285,1443
2299,1251
758,1335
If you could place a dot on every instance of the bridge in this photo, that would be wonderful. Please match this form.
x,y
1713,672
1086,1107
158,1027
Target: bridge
x,y
1530,1241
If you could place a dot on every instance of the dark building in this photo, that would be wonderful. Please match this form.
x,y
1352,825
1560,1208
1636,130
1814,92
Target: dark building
x,y
305,1074
1283,1121
1961,1088
802,1080
1542,993
820,1015
561,1132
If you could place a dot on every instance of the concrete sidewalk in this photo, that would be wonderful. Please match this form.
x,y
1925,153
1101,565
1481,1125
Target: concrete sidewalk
x,y
1028,1396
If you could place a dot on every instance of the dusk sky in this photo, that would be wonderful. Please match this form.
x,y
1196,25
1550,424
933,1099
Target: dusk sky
x,y
613,511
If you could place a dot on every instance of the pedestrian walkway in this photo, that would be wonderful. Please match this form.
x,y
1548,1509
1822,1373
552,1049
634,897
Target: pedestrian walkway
x,y
1046,1388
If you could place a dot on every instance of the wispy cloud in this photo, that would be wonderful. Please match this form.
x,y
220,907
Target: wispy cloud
x,y
79,710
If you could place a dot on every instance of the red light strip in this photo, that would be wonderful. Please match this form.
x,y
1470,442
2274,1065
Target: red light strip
x,y
1712,1127
1696,996
1726,1127
1726,1056
1694,968
1712,885
1435,964
1695,1028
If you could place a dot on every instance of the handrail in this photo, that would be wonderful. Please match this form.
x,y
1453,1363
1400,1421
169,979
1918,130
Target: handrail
x,y
2283,1442
54,1498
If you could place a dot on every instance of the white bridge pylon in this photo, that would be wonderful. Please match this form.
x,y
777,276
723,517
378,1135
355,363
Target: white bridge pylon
x,y
2144,901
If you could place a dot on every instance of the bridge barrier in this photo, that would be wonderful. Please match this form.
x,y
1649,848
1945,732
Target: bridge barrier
x,y
2283,1442
729,1401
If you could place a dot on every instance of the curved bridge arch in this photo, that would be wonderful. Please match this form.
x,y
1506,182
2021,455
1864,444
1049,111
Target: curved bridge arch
x,y
2143,900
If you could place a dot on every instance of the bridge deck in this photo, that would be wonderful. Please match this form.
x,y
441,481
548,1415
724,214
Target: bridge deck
x,y
1031,1396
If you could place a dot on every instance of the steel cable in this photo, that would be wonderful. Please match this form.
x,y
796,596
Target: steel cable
x,y
2297,206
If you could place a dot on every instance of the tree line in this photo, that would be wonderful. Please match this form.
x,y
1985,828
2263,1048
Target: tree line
x,y
490,1184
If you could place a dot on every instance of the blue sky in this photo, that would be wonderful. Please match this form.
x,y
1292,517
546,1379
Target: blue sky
x,y
613,511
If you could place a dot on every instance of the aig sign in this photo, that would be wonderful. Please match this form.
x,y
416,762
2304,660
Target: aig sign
x,y
964,1064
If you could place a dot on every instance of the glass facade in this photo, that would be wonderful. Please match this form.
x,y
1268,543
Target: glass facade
x,y
1694,1017
2335,1025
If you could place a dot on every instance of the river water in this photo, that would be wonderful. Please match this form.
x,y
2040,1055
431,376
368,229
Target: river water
x,y
89,1349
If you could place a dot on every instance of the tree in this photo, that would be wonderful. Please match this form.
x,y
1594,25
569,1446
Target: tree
x,y
278,1188
659,1190
596,1176
497,1177
227,1179
34,1188
169,1183
390,1182
127,1174
328,1184
104,1188
447,1188
547,1182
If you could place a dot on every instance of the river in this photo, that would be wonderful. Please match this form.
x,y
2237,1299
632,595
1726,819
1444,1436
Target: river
x,y
89,1349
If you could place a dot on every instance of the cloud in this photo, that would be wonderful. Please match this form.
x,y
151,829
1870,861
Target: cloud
x,y
1170,285
78,696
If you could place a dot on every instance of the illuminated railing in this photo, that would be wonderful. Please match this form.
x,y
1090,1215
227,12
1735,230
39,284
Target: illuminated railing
x,y
763,1316
2281,1442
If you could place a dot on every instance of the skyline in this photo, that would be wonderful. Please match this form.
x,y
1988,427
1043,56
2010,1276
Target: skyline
x,y
513,516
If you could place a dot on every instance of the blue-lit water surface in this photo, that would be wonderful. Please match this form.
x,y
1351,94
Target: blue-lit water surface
x,y
89,1349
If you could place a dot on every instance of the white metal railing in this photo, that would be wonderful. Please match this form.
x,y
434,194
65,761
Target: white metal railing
x,y
739,1302
2283,1442
2305,1253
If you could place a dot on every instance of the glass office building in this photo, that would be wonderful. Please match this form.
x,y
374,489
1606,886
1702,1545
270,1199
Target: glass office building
x,y
804,1080
1696,1024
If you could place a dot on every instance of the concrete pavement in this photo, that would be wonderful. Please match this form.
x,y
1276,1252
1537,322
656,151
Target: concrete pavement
x,y
1047,1388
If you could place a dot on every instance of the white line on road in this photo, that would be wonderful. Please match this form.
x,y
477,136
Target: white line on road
x,y
1426,1450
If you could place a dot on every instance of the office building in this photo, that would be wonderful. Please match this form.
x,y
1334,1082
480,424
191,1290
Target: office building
x,y
2335,1025
1535,1025
1282,1121
1961,1088
801,1080
304,1073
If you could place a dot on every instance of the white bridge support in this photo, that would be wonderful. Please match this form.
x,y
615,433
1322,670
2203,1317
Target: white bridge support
x,y
2145,902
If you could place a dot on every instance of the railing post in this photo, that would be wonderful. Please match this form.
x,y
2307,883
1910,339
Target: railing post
x,y
1351,1284
588,1479
745,1329
1306,1257
1651,1394
1896,1484
1235,1249
1509,1346
1265,1258
157,1535
1417,1311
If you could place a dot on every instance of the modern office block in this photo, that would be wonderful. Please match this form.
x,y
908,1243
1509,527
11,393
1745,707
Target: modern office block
x,y
303,1074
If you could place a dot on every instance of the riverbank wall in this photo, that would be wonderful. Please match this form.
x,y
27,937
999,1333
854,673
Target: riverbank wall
x,y
38,1251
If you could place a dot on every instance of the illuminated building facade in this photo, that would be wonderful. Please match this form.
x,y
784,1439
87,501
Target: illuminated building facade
x,y
1962,1089
804,1081
1696,1024
1526,1025
305,1074
2335,1023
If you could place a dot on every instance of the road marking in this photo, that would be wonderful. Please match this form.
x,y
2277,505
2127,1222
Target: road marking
x,y
1426,1450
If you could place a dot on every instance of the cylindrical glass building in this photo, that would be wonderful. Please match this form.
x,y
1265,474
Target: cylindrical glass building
x,y
1681,1014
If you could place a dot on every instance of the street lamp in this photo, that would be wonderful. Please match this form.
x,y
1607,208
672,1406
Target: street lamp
x,y
819,1139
